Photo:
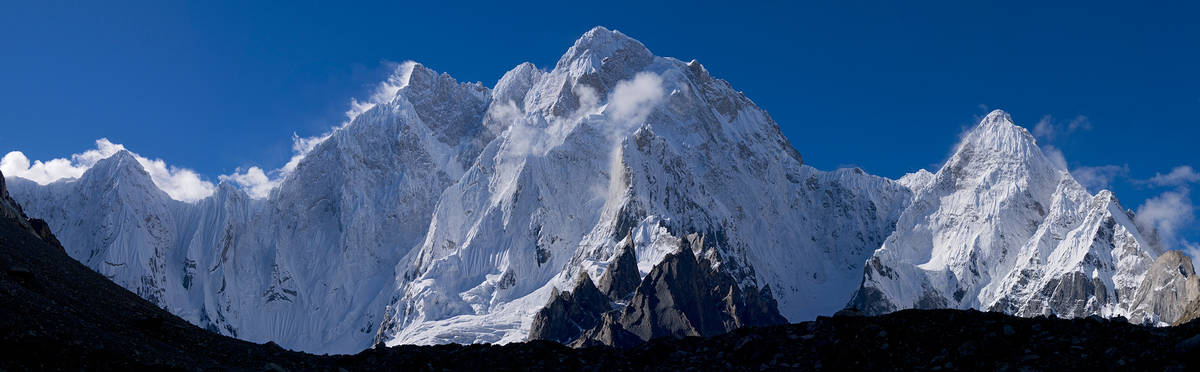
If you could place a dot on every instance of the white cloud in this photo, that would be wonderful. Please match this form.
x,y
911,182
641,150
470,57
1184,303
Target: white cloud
x,y
186,185
1055,156
385,91
15,164
253,181
1044,129
1048,130
1179,176
1079,123
632,100
534,134
1167,213
179,183
1099,177
1191,249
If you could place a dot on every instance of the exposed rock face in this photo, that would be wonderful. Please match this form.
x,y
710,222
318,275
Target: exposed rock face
x,y
685,296
681,296
12,210
1190,313
621,277
570,313
1169,287
8,207
42,230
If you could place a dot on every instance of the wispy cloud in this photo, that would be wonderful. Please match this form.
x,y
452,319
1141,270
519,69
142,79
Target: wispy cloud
x,y
385,91
254,181
1055,156
186,185
258,183
1101,177
1167,213
1048,129
1181,175
180,183
1191,249
632,100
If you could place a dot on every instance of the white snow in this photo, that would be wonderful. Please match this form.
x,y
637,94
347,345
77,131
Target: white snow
x,y
447,212
1000,225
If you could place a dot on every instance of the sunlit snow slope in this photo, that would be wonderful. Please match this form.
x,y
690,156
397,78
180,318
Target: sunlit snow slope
x,y
449,212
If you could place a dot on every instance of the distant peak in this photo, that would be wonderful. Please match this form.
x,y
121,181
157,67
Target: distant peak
x,y
121,164
124,155
123,160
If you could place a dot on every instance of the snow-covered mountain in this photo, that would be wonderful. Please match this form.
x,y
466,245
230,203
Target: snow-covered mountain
x,y
615,140
450,212
1002,227
310,267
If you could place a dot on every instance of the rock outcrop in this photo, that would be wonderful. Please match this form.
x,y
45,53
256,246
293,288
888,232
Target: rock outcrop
x,y
569,313
621,277
1169,287
685,296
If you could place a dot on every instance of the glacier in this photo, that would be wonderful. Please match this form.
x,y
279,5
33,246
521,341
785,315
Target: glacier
x,y
453,212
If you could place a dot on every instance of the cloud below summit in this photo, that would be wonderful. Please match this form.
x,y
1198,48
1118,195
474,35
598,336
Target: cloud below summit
x,y
179,183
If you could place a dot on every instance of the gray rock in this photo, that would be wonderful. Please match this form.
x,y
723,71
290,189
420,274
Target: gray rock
x,y
1167,289
685,296
622,277
569,314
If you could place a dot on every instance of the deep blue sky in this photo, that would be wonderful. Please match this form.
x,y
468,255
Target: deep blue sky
x,y
886,87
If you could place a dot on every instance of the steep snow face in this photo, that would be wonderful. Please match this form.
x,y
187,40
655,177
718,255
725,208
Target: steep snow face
x,y
114,220
308,268
1001,227
320,256
615,141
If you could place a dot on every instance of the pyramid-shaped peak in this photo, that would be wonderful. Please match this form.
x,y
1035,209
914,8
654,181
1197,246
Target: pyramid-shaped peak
x,y
121,162
998,132
123,167
997,117
416,73
122,159
601,36
600,43
997,143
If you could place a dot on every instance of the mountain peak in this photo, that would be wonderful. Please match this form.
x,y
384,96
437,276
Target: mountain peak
x,y
999,125
997,118
416,74
599,44
121,161
122,165
997,135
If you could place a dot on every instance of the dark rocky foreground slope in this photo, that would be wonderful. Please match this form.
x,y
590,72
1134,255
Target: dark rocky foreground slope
x,y
56,314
